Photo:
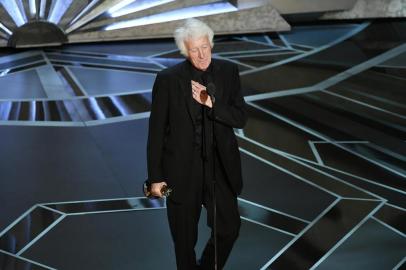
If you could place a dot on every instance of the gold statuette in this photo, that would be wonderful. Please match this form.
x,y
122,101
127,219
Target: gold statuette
x,y
165,190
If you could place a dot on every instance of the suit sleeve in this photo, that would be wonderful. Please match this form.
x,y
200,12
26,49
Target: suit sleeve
x,y
158,122
232,113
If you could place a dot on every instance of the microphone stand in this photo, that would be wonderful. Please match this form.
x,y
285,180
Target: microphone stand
x,y
211,89
205,157
214,192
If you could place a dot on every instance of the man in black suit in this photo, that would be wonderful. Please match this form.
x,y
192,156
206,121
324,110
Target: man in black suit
x,y
182,151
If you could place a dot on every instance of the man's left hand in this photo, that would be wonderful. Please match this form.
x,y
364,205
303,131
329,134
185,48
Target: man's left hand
x,y
199,94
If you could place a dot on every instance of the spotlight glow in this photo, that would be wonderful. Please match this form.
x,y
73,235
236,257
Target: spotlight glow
x,y
138,6
179,14
58,8
5,29
120,6
14,10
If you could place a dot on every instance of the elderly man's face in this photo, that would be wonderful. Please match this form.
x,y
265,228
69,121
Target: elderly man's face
x,y
199,52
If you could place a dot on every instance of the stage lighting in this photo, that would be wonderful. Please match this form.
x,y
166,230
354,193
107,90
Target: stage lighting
x,y
96,108
120,6
33,7
179,14
15,8
58,8
33,110
87,8
138,6
42,7
5,29
5,109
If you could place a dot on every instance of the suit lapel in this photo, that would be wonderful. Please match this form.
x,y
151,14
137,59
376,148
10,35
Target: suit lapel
x,y
186,85
217,79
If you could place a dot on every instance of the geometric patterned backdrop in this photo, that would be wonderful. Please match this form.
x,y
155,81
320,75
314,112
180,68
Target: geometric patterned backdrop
x,y
323,152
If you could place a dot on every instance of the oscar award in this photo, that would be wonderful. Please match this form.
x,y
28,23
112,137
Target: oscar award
x,y
166,191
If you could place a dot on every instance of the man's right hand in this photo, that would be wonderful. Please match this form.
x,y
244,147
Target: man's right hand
x,y
156,189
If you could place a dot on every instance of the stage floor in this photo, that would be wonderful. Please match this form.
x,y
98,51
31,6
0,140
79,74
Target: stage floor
x,y
323,152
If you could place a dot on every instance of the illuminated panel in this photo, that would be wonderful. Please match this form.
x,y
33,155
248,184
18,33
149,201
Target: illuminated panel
x,y
120,6
138,6
5,29
20,6
89,6
96,108
118,103
33,8
179,14
13,9
58,9
33,110
5,109
42,7
4,72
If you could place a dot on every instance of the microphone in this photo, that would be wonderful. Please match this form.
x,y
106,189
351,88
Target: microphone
x,y
211,90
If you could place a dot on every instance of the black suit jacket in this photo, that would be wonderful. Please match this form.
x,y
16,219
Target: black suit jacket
x,y
172,125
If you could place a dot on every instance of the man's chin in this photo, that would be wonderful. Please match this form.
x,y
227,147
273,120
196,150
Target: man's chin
x,y
203,67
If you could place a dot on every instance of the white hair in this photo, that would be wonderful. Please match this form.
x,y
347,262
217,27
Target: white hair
x,y
192,29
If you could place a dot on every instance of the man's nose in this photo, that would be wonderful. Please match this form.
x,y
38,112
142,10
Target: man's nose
x,y
201,53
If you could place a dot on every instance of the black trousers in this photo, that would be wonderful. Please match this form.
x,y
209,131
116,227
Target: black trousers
x,y
184,217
